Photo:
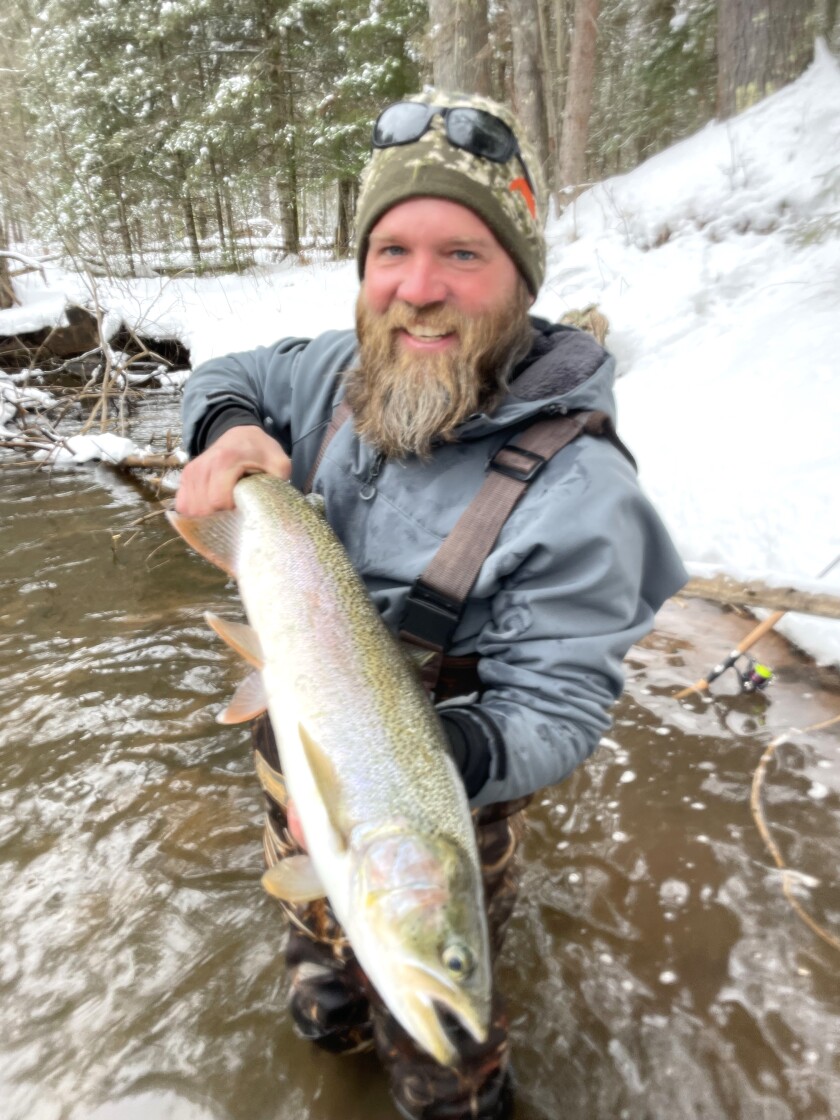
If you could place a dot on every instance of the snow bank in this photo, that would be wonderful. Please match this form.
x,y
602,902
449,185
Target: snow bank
x,y
718,265
104,447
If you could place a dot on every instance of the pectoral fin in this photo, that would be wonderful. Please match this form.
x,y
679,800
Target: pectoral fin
x,y
248,702
293,879
239,637
326,779
271,780
215,537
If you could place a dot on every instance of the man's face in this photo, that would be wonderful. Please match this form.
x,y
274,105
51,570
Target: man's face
x,y
430,251
442,317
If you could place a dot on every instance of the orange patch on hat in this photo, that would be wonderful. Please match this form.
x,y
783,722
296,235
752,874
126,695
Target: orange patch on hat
x,y
522,186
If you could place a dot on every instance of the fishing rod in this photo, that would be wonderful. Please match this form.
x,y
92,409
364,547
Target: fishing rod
x,y
755,677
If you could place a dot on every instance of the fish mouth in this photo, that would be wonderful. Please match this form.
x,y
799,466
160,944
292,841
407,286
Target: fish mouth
x,y
426,994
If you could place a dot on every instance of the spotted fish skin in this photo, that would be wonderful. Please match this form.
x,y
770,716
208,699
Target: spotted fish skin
x,y
386,820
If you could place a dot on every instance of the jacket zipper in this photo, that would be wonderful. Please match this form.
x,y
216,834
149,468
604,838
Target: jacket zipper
x,y
368,489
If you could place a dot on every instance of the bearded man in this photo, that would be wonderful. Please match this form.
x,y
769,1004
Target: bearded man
x,y
398,425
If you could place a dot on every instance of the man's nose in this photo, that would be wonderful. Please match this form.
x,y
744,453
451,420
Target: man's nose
x,y
422,283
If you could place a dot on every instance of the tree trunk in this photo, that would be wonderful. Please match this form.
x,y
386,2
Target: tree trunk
x,y
7,294
528,85
192,232
287,181
762,45
289,217
217,203
549,87
137,238
189,223
459,45
188,213
578,107
125,229
201,220
560,60
231,225
556,66
346,208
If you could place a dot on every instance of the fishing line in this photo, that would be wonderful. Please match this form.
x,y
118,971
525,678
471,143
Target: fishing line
x,y
761,824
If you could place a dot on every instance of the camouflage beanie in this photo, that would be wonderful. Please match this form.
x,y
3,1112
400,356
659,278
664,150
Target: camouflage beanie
x,y
432,167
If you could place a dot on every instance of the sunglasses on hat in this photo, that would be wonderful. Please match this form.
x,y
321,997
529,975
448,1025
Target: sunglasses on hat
x,y
474,130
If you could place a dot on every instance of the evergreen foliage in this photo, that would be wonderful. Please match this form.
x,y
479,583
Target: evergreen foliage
x,y
657,67
181,121
191,132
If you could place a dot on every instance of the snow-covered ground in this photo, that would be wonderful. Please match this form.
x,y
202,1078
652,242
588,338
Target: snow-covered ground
x,y
717,263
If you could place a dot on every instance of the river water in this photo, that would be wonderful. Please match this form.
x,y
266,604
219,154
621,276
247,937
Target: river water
x,y
654,968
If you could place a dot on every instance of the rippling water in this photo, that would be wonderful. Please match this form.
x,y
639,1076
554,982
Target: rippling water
x,y
654,968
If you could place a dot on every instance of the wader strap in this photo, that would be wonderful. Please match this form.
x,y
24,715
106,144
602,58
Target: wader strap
x,y
436,600
341,414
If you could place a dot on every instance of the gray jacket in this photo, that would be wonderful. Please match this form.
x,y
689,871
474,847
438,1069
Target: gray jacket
x,y
579,570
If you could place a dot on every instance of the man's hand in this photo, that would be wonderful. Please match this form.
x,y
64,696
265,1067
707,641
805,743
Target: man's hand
x,y
207,481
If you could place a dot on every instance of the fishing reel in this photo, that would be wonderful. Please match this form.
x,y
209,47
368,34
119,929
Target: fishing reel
x,y
755,676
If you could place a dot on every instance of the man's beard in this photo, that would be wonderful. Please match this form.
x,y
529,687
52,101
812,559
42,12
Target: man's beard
x,y
403,401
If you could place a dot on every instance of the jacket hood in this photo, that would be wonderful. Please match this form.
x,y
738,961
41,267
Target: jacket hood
x,y
565,370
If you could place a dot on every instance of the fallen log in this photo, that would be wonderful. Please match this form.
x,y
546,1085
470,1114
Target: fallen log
x,y
153,462
30,264
755,594
84,338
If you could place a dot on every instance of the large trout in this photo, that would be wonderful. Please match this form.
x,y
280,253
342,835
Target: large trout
x,y
388,831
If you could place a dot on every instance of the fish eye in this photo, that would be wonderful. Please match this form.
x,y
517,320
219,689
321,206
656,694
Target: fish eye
x,y
458,960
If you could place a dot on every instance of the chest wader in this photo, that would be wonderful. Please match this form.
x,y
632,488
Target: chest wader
x,y
331,1001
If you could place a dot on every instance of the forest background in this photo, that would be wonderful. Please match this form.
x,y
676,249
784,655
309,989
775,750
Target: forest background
x,y
144,135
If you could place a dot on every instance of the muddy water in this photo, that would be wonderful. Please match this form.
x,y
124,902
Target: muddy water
x,y
654,967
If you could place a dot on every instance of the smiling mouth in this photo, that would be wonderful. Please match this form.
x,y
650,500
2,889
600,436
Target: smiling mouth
x,y
426,335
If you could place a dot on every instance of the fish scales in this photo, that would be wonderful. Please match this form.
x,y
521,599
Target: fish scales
x,y
389,834
327,628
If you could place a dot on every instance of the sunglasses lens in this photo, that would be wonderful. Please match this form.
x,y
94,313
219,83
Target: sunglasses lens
x,y
401,124
480,133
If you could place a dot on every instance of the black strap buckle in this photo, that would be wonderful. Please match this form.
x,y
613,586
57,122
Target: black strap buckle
x,y
520,474
430,616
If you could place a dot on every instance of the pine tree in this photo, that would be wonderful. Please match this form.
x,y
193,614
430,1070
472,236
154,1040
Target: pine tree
x,y
458,45
656,79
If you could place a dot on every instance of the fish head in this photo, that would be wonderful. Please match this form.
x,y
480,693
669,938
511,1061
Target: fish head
x,y
421,898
